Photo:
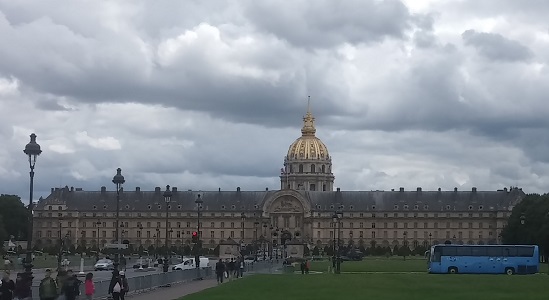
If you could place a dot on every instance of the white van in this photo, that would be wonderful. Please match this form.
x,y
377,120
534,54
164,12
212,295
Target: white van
x,y
188,263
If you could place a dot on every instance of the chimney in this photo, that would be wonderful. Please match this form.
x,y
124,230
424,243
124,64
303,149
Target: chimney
x,y
455,189
339,189
219,190
402,189
392,190
439,189
474,189
103,189
238,189
267,189
72,188
137,189
419,189
78,189
157,189
52,189
174,189
505,189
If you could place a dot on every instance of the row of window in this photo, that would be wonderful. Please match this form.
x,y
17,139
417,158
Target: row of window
x,y
415,235
312,169
491,251
405,225
148,234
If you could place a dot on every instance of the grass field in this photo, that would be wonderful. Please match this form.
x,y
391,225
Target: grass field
x,y
379,286
376,264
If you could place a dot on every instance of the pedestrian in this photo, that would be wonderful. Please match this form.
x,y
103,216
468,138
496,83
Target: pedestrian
x,y
71,286
61,277
115,287
302,267
89,286
48,287
125,286
231,268
22,289
241,267
307,266
7,287
7,263
219,271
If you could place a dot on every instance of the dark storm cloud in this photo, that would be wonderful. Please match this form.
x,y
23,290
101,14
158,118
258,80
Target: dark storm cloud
x,y
496,47
330,23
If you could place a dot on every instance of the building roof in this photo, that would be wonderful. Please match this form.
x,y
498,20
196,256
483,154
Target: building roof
x,y
238,201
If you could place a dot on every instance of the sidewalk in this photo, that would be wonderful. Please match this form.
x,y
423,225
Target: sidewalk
x,y
176,291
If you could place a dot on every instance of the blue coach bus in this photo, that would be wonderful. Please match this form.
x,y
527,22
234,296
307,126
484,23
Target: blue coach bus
x,y
484,259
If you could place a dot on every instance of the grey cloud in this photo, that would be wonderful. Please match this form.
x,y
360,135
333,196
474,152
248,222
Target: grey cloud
x,y
496,47
329,23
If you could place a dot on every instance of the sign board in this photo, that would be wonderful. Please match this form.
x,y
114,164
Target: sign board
x,y
116,246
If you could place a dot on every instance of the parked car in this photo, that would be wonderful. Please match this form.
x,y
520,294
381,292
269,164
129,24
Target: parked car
x,y
249,259
141,263
104,264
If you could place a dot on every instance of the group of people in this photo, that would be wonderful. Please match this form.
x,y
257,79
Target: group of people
x,y
305,266
118,288
230,268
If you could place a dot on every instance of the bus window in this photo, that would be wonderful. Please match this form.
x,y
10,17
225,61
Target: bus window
x,y
449,251
509,252
478,251
437,254
525,251
463,251
494,251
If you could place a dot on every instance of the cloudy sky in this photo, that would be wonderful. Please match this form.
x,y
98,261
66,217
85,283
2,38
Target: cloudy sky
x,y
208,94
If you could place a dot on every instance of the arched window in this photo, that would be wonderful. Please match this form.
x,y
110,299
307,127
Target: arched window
x,y
313,169
291,169
323,169
300,168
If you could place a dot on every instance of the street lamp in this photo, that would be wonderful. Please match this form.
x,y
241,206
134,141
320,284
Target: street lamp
x,y
336,218
140,227
32,150
265,244
198,202
272,244
98,248
454,239
118,180
167,199
156,242
430,235
243,217
405,248
60,253
256,224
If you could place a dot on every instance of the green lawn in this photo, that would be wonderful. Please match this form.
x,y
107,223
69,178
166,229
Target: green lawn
x,y
376,264
379,286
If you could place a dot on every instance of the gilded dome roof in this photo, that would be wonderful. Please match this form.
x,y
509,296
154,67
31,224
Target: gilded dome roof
x,y
308,146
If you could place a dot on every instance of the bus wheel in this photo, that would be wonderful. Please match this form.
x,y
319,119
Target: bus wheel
x,y
509,271
452,270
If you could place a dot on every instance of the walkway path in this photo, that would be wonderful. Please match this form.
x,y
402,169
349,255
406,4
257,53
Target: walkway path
x,y
176,291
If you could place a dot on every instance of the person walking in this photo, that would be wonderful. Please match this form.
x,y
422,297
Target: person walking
x,y
22,289
231,269
60,279
7,287
307,266
241,264
302,267
48,287
125,286
71,287
115,287
219,270
89,286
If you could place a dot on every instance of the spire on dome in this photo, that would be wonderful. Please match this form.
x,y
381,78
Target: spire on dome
x,y
308,121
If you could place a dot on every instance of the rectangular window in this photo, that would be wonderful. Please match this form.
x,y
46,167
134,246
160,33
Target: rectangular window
x,y
351,225
138,234
318,234
178,224
212,225
373,234
148,234
83,224
188,224
232,234
222,224
114,234
361,224
405,224
48,233
94,234
242,234
232,224
385,234
331,234
286,222
83,234
157,224
104,233
425,225
222,234
373,225
212,234
395,225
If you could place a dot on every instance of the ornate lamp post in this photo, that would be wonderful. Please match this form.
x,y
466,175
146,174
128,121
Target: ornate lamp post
x,y
118,180
265,243
97,224
32,150
271,242
167,199
404,252
339,215
156,242
198,202
256,224
60,253
243,217
430,235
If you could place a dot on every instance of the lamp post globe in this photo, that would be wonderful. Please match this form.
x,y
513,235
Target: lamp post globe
x,y
198,202
242,246
32,150
118,181
167,199
256,224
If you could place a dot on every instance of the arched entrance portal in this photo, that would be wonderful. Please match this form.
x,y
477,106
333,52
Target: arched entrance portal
x,y
286,213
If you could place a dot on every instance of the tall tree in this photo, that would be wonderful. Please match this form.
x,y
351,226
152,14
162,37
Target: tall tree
x,y
3,234
15,216
529,223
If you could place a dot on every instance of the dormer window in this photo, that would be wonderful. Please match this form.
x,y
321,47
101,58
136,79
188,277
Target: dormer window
x,y
395,207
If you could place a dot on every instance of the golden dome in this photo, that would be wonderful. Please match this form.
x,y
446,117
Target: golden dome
x,y
308,146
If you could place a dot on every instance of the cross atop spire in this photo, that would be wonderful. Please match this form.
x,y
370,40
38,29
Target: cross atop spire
x,y
308,121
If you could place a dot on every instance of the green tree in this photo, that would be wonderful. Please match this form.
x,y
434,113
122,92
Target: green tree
x,y
3,234
529,223
15,216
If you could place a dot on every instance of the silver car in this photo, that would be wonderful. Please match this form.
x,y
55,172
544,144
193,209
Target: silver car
x,y
104,264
